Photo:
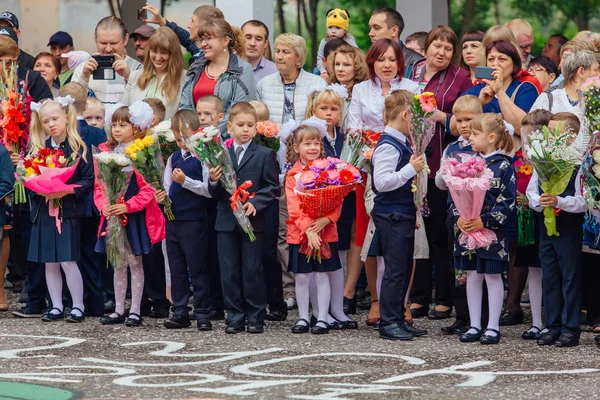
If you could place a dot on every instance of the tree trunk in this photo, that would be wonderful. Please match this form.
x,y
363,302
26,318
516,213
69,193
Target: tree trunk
x,y
582,19
497,12
467,21
299,15
312,28
280,16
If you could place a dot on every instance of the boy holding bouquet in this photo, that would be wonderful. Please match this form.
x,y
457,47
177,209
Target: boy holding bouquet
x,y
242,275
394,167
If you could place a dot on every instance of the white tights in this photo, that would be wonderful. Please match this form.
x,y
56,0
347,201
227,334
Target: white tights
x,y
475,297
137,286
74,283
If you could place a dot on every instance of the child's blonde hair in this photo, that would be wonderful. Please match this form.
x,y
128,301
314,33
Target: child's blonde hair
x,y
37,136
93,102
494,123
396,102
158,108
262,111
468,104
568,120
325,96
214,100
302,133
121,114
78,93
241,107
187,118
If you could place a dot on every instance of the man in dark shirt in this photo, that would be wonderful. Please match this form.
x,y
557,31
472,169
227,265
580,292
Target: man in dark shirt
x,y
9,20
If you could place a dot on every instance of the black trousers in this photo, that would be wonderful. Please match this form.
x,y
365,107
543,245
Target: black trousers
x,y
90,265
440,254
270,261
397,234
155,280
186,249
242,277
590,276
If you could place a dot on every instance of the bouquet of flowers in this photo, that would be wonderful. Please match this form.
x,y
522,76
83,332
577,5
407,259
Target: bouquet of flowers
x,y
163,134
207,146
113,180
554,159
358,146
590,92
321,187
15,119
47,172
421,128
525,216
267,135
590,188
468,179
460,278
144,155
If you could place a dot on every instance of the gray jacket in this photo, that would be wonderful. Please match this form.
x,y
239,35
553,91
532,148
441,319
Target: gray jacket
x,y
235,84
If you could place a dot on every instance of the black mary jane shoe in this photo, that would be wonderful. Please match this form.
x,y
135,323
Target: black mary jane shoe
x,y
567,340
350,305
300,328
511,318
133,322
336,326
531,334
489,339
470,337
108,320
51,317
319,330
74,318
349,324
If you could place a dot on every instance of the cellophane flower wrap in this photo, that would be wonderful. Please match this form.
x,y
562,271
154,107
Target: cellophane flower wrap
x,y
590,188
525,216
554,158
113,178
358,146
421,128
207,146
15,119
47,172
266,135
163,134
146,158
468,179
321,187
590,95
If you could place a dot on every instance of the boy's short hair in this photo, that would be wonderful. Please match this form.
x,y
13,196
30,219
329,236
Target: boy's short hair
x,y
396,102
157,107
241,107
185,117
215,100
262,111
537,118
419,37
468,103
93,102
569,120
78,93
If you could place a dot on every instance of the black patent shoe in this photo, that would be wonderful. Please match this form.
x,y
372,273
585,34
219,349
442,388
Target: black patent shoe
x,y
511,318
108,320
300,328
51,317
204,325
457,328
350,305
567,340
547,339
533,333
319,330
470,337
133,322
436,314
336,326
489,339
74,318
349,324
276,316
415,331
177,322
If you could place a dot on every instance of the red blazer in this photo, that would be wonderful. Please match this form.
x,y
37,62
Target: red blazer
x,y
298,222
144,200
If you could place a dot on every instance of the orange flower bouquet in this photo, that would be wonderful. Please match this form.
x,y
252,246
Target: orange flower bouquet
x,y
267,135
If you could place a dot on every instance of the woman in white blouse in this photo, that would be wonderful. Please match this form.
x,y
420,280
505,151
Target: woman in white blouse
x,y
163,74
386,70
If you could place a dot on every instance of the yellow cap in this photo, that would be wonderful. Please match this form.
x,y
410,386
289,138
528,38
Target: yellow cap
x,y
338,17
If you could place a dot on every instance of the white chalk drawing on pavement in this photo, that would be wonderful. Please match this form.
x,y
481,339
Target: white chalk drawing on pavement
x,y
231,385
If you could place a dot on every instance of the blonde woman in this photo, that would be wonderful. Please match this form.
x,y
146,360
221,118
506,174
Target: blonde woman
x,y
162,75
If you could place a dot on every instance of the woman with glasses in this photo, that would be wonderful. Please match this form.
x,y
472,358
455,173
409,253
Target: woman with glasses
x,y
545,70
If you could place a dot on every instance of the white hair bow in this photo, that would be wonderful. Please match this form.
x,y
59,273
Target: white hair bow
x,y
287,129
318,123
341,90
141,114
109,110
509,128
63,101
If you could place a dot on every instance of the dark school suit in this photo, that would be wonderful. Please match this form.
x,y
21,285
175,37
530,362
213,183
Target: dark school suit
x,y
242,277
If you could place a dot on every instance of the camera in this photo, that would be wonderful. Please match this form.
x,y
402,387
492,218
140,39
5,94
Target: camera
x,y
105,71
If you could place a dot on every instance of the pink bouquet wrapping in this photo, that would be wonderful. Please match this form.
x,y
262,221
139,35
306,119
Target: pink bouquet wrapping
x,y
468,180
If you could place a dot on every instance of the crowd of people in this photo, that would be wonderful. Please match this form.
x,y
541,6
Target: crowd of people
x,y
235,80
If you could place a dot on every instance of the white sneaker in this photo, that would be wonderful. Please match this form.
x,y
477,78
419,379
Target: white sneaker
x,y
291,303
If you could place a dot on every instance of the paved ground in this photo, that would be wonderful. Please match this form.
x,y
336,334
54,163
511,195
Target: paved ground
x,y
93,361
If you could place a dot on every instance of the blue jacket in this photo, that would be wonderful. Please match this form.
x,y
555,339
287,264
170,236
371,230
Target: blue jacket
x,y
7,181
92,136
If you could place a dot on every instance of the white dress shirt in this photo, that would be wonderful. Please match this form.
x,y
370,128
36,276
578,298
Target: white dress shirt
x,y
198,187
386,157
571,204
244,148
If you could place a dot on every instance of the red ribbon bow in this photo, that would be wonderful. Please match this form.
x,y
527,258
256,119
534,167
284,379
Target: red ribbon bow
x,y
241,194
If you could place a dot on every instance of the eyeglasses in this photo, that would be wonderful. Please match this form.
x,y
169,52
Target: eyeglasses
x,y
537,69
207,39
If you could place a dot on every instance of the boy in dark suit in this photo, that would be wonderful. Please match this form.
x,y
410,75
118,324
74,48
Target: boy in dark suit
x,y
242,277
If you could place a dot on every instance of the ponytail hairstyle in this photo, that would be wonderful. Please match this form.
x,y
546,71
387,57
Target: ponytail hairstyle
x,y
494,123
37,136
121,114
300,134
221,28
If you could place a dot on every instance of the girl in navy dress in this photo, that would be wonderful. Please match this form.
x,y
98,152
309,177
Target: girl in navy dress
x,y
145,222
490,138
328,105
54,125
